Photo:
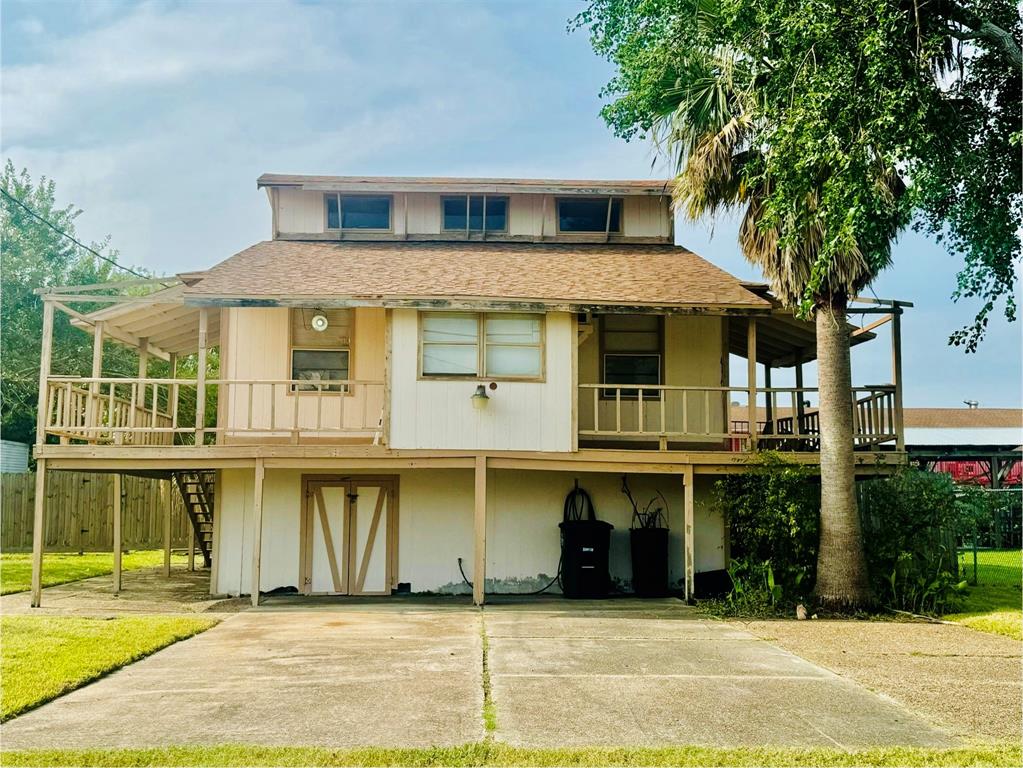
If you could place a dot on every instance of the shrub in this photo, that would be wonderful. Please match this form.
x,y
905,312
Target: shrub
x,y
910,525
773,515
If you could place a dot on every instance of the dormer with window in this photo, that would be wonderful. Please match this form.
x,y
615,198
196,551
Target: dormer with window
x,y
501,210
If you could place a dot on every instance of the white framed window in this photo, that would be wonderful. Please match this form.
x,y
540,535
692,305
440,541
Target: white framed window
x,y
482,345
358,212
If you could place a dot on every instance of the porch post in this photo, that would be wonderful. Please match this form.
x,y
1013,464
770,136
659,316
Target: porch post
x,y
800,408
257,529
751,379
38,533
900,438
92,404
191,546
138,393
117,533
200,379
689,543
39,513
770,400
167,497
479,571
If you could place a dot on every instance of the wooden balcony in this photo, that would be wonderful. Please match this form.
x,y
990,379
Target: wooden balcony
x,y
151,411
703,417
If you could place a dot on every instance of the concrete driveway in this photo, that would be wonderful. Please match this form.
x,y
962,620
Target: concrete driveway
x,y
409,673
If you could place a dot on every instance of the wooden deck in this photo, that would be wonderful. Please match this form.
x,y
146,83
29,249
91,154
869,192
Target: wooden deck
x,y
151,458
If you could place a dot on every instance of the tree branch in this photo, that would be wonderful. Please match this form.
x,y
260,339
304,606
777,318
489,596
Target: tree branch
x,y
983,29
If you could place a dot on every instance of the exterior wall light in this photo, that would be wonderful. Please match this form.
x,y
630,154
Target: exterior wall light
x,y
480,398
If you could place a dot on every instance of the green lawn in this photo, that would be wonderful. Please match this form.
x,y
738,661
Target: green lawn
x,y
60,568
994,566
495,754
42,657
995,604
997,609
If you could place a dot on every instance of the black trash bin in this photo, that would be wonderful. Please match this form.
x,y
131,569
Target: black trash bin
x,y
585,543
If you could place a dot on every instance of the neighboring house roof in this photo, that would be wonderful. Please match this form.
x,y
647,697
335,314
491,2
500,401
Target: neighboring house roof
x,y
456,185
544,273
963,418
963,426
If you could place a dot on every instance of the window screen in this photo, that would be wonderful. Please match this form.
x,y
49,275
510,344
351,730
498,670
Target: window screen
x,y
454,213
514,346
450,344
588,214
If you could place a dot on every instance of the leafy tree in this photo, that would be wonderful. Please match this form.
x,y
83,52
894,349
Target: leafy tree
x,y
33,255
832,125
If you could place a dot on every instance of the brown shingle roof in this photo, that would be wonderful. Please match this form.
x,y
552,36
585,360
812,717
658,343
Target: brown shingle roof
x,y
456,184
548,273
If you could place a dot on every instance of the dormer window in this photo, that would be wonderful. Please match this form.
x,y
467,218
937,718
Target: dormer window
x,y
468,213
359,212
589,214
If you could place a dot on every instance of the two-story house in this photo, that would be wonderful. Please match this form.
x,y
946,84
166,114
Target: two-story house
x,y
413,372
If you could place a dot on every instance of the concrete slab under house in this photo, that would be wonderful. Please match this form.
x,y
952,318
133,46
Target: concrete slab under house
x,y
415,373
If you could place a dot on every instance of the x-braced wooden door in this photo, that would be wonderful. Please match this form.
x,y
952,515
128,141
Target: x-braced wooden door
x,y
349,535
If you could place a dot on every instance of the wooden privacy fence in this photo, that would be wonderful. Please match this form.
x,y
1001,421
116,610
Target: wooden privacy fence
x,y
79,512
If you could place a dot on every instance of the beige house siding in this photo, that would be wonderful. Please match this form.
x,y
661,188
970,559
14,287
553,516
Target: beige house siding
x,y
257,347
302,212
521,415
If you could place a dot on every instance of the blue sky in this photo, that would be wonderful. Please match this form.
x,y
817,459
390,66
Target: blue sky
x,y
157,117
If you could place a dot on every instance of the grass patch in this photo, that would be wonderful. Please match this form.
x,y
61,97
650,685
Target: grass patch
x,y
494,754
61,568
489,709
994,608
42,657
994,566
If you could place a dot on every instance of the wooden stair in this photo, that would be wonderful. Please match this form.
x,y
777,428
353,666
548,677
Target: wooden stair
x,y
196,489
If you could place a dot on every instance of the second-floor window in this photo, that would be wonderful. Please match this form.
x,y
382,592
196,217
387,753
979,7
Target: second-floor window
x,y
320,356
456,211
482,345
358,212
589,214
632,352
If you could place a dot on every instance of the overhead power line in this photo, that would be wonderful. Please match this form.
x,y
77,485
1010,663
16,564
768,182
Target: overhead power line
x,y
62,233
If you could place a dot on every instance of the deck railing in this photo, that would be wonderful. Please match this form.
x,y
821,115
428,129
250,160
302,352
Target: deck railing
x,y
164,411
665,413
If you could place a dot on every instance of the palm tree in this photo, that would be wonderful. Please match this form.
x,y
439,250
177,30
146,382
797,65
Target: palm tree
x,y
708,130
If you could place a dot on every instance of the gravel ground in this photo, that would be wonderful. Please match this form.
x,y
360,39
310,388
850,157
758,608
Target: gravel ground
x,y
971,682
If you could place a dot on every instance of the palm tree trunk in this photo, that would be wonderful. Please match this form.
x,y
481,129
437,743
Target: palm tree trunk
x,y
842,581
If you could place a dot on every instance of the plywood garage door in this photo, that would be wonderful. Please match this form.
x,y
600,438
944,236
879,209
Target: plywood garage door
x,y
349,535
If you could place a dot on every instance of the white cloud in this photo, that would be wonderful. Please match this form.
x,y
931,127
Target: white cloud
x,y
156,45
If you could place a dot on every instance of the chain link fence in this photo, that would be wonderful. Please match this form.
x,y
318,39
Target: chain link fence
x,y
990,541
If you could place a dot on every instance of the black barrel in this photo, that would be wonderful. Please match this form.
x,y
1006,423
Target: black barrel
x,y
584,558
649,561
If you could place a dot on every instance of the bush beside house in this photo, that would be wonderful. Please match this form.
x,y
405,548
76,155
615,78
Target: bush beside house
x,y
910,524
